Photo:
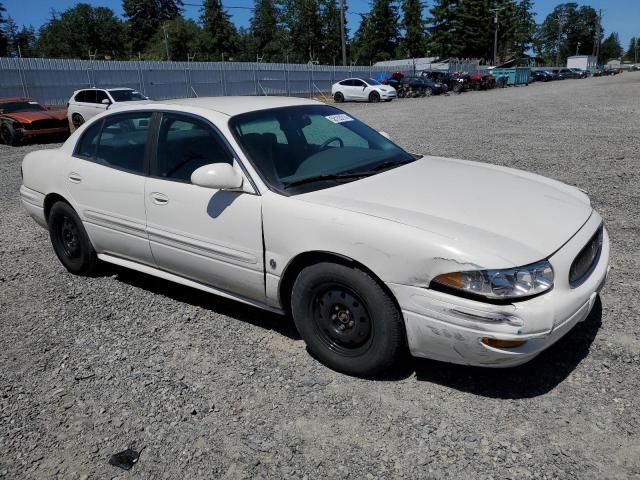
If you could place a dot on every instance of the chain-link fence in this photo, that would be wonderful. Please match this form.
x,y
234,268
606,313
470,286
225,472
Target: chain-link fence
x,y
53,81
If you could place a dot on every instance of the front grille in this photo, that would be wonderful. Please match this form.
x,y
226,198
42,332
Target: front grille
x,y
586,260
49,123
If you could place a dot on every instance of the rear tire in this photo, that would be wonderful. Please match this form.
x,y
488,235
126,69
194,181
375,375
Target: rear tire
x,y
70,240
338,97
349,322
374,97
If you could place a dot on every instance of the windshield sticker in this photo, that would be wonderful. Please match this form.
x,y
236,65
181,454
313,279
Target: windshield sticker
x,y
341,118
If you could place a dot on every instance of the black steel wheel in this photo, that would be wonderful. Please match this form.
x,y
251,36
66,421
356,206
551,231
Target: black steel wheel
x,y
347,319
70,240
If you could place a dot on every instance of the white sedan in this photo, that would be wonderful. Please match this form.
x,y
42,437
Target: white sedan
x,y
89,102
362,90
298,208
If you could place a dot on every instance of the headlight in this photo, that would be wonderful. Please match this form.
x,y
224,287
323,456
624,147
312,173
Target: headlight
x,y
510,283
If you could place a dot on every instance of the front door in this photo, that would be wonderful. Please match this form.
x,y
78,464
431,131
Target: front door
x,y
210,236
106,178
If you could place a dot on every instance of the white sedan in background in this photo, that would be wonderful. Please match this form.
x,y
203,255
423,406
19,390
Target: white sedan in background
x,y
89,102
299,208
362,90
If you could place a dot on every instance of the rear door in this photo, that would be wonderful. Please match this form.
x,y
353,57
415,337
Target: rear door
x,y
359,90
105,180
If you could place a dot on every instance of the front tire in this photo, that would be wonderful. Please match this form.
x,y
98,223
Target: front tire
x,y
70,240
8,135
374,97
77,120
349,322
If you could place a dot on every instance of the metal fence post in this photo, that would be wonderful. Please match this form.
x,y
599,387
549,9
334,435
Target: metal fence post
x,y
223,79
310,79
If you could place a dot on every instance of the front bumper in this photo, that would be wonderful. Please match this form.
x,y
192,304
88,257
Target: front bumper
x,y
388,95
450,328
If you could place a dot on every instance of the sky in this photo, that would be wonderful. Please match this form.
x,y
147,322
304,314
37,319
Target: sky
x,y
622,16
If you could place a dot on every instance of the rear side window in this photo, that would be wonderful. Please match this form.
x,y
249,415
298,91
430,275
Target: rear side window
x,y
86,96
123,141
89,141
185,144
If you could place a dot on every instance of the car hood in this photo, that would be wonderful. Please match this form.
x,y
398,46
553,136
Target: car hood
x,y
517,216
26,118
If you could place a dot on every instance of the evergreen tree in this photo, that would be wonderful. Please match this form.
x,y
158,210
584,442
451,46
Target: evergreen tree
x,y
219,37
610,48
266,35
4,42
414,42
445,39
304,29
183,39
19,41
633,52
525,27
145,17
330,43
80,30
565,27
377,36
475,28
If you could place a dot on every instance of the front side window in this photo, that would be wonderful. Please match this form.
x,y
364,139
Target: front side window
x,y
101,95
303,148
185,144
123,140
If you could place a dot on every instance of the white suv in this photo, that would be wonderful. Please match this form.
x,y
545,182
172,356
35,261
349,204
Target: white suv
x,y
89,102
362,89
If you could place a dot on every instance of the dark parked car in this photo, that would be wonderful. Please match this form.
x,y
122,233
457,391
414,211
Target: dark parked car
x,y
421,87
570,73
541,76
453,83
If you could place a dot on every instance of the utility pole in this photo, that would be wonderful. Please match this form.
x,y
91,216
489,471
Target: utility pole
x,y
636,51
577,49
561,20
598,35
342,37
495,35
166,40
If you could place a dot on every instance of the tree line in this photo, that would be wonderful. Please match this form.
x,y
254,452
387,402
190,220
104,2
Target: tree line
x,y
309,31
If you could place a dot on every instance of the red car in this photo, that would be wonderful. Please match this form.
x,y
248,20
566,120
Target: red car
x,y
23,119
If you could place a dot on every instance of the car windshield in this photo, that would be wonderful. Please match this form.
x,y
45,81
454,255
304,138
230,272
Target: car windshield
x,y
309,147
22,106
127,95
371,81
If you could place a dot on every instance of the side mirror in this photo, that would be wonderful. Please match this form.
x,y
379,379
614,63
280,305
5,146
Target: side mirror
x,y
386,135
106,101
219,176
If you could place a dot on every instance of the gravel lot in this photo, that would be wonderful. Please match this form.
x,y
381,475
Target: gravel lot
x,y
214,389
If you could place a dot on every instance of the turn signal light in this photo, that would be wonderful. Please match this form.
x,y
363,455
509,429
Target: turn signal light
x,y
495,343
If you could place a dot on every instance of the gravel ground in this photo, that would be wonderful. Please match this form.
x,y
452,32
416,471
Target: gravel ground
x,y
214,389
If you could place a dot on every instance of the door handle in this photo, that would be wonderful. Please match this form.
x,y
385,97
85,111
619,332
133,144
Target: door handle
x,y
74,177
159,198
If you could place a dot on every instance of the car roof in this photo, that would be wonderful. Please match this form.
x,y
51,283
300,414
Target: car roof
x,y
236,105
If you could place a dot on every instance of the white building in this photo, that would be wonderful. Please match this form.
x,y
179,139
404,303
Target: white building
x,y
584,62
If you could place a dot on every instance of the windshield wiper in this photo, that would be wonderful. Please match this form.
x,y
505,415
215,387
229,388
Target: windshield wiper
x,y
390,164
328,176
